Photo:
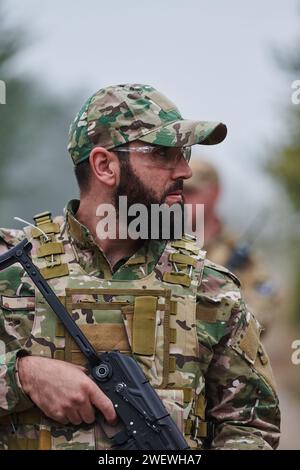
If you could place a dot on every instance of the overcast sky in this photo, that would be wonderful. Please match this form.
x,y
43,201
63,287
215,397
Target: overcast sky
x,y
213,58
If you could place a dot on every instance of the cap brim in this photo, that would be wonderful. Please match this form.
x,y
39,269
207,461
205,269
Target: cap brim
x,y
184,133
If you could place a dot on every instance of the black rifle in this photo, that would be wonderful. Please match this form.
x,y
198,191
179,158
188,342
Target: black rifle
x,y
146,423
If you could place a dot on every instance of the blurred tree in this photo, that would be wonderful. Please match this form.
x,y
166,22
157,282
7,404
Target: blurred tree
x,y
286,166
35,175
14,113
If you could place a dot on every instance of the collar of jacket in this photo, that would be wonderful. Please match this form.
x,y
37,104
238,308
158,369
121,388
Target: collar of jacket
x,y
140,264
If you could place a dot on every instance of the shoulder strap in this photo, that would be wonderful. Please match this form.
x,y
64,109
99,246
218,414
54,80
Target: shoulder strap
x,y
182,262
222,269
48,246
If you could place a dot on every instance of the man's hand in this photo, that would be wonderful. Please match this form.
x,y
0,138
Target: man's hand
x,y
63,391
3,248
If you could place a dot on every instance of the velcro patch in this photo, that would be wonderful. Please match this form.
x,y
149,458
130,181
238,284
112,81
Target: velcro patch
x,y
17,302
247,342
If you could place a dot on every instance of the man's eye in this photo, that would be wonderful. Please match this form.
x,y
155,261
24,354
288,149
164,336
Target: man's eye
x,y
160,153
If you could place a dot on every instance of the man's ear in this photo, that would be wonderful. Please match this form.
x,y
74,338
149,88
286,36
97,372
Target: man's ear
x,y
105,166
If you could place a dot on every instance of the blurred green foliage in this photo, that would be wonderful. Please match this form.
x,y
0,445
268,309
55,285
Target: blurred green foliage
x,y
18,94
35,170
286,165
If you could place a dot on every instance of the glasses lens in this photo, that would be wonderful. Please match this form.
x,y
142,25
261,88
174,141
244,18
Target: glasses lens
x,y
166,157
187,152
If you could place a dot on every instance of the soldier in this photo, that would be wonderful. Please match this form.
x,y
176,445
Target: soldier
x,y
181,316
224,248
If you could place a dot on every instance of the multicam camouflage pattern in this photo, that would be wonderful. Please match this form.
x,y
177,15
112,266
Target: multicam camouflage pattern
x,y
120,114
207,363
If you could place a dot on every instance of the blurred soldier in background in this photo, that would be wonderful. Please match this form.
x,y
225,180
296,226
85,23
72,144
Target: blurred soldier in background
x,y
224,248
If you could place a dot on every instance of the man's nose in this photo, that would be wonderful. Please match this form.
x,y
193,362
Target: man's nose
x,y
182,170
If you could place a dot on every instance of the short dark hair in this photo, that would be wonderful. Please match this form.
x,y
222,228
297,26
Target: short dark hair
x,y
83,174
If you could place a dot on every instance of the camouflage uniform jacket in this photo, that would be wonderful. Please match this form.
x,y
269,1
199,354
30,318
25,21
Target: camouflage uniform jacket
x,y
235,375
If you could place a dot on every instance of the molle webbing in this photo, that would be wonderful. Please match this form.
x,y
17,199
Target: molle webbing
x,y
182,261
144,317
50,250
143,313
45,223
33,417
150,324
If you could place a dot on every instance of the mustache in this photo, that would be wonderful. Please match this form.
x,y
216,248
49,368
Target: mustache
x,y
177,186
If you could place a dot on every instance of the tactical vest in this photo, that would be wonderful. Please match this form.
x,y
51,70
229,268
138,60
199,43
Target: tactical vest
x,y
152,318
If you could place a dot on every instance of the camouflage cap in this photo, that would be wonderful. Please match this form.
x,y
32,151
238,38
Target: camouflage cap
x,y
120,114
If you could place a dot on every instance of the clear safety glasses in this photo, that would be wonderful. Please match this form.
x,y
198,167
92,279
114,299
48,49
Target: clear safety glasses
x,y
159,156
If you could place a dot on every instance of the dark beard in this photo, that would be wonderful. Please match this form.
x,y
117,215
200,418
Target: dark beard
x,y
131,186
